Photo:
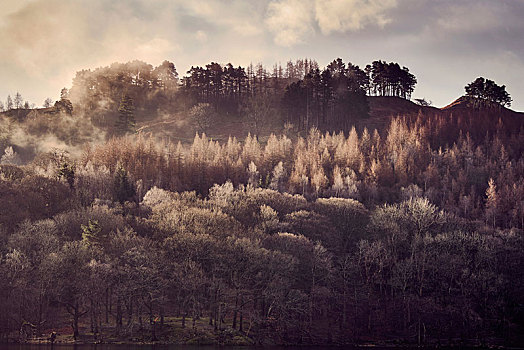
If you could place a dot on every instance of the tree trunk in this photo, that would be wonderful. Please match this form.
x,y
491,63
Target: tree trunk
x,y
107,305
129,308
92,317
139,313
235,313
118,315
344,308
241,319
76,316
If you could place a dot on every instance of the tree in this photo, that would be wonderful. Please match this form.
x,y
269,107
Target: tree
x,y
9,103
18,101
423,102
126,117
123,190
389,79
64,104
48,102
257,111
70,271
10,157
33,242
91,232
167,75
492,201
201,115
66,172
486,92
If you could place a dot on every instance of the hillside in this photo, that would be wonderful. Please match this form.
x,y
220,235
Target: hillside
x,y
41,130
321,240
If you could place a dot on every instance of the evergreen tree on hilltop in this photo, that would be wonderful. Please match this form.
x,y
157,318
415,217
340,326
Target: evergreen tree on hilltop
x,y
64,104
126,118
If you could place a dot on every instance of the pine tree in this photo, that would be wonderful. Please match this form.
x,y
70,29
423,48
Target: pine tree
x,y
126,118
64,105
9,103
91,232
253,175
18,101
123,189
67,172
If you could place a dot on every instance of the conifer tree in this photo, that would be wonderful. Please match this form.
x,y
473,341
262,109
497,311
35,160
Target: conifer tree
x,y
126,118
9,103
64,104
123,189
18,101
91,232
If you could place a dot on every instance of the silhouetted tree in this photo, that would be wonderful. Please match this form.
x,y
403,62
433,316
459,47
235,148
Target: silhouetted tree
x,y
487,92
48,102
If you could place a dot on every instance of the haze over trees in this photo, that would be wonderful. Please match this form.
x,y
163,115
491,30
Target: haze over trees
x,y
298,92
126,116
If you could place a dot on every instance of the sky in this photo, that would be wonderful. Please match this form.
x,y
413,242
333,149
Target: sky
x,y
445,43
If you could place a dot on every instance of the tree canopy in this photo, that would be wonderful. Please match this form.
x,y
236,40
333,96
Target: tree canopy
x,y
487,93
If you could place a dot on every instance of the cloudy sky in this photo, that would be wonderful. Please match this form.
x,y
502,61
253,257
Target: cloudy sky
x,y
445,43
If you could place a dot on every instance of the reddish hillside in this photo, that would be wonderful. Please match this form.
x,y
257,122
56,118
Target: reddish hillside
x,y
387,106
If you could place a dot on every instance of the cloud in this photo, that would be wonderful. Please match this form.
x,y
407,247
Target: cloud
x,y
238,16
293,21
201,36
290,21
463,18
34,37
351,15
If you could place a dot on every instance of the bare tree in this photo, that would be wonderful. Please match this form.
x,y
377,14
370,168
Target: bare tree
x,y
48,102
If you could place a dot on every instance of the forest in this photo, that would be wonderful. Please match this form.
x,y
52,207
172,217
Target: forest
x,y
335,227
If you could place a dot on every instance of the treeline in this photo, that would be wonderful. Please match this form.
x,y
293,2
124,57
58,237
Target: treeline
x,y
324,239
300,92
333,98
15,103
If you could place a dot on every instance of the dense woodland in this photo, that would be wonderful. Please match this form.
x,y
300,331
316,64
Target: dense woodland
x,y
415,234
412,233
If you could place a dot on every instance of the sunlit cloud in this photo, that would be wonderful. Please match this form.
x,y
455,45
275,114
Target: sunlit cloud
x,y
290,21
351,15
